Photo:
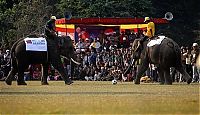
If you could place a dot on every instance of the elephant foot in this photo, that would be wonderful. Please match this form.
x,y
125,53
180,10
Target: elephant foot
x,y
8,82
137,82
162,83
21,83
189,81
45,83
168,83
68,82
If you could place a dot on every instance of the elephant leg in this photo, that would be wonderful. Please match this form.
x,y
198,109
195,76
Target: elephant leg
x,y
185,74
21,69
141,71
44,74
161,76
168,78
20,79
10,76
57,64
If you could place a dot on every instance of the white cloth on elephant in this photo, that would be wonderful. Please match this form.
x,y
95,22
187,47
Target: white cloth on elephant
x,y
36,44
156,41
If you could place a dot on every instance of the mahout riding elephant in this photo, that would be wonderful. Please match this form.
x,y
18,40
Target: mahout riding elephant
x,y
56,47
164,55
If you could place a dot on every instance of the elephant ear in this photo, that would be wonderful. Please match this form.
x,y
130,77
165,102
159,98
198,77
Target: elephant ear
x,y
61,41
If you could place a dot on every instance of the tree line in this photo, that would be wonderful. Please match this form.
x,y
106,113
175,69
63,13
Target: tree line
x,y
19,18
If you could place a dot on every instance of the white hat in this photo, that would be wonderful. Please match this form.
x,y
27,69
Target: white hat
x,y
59,34
146,18
53,17
195,44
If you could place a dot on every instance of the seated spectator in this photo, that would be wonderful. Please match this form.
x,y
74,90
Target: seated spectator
x,y
87,44
92,58
80,46
51,72
99,59
101,37
96,76
90,73
87,69
57,76
37,74
84,72
106,44
86,59
132,36
28,73
95,45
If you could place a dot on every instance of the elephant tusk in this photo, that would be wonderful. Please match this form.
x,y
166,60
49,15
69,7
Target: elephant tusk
x,y
75,61
64,57
71,59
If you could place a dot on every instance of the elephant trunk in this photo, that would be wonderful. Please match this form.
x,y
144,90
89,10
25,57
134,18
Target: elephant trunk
x,y
75,61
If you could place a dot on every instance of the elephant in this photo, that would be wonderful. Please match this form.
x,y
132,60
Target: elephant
x,y
164,55
56,47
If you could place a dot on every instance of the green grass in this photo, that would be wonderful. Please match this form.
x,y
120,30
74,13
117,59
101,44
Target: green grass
x,y
99,98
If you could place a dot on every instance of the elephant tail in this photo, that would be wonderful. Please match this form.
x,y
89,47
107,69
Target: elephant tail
x,y
13,56
177,51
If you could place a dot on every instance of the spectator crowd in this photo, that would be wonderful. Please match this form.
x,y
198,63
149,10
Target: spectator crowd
x,y
106,57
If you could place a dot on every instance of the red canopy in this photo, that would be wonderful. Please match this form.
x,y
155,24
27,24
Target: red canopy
x,y
109,21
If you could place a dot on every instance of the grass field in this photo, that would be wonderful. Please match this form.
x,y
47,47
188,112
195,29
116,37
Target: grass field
x,y
99,98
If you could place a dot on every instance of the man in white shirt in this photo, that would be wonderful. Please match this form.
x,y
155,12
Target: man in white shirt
x,y
96,45
80,46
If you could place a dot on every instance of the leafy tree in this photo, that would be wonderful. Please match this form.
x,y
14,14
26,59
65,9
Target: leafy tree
x,y
184,28
106,8
19,18
6,22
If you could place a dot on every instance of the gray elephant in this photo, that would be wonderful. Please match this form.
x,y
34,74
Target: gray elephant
x,y
164,55
56,47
